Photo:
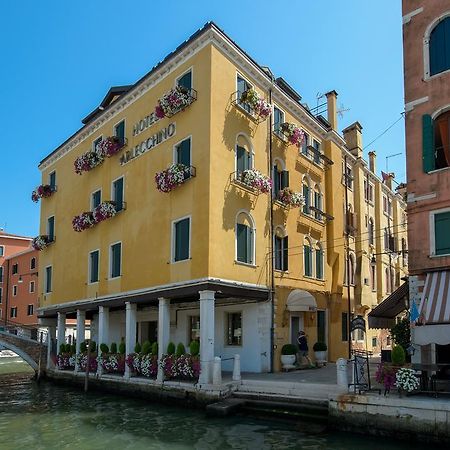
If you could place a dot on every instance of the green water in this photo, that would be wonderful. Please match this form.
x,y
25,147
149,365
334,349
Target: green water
x,y
45,416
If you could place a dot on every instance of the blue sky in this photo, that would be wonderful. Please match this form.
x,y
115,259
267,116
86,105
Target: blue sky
x,y
59,58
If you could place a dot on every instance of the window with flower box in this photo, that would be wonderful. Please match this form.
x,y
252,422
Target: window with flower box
x,y
185,80
119,131
96,199
118,194
183,155
243,86
95,144
181,232
234,329
280,180
52,180
278,119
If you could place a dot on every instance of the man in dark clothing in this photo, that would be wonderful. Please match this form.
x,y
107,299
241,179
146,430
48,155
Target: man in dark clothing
x,y
303,347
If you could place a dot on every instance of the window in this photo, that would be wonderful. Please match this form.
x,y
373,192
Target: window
x,y
1,295
117,193
13,312
305,143
32,287
52,180
30,310
242,86
94,266
348,177
278,119
245,239
388,280
374,341
182,155
243,155
307,194
181,239
319,262
318,202
194,328
436,142
95,143
234,328
2,250
441,233
321,326
373,277
51,228
185,80
119,131
307,257
33,263
368,191
48,279
386,239
349,270
344,326
96,199
371,232
316,145
281,253
280,179
404,253
439,47
15,268
115,255
1,274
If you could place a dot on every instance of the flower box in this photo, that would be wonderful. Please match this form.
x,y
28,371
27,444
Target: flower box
x,y
104,211
83,221
65,361
173,176
112,363
110,146
293,133
42,191
184,367
82,358
290,198
40,242
174,101
254,179
145,365
259,108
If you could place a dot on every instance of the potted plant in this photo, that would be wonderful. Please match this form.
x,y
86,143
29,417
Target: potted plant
x,y
288,356
320,353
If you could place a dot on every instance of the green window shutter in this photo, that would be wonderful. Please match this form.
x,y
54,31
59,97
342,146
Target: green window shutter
x,y
277,253
285,253
440,47
182,240
52,181
307,200
319,264
249,245
242,243
118,194
184,152
116,253
186,80
442,233
284,179
242,159
120,131
94,267
51,228
96,199
427,143
307,258
277,184
48,279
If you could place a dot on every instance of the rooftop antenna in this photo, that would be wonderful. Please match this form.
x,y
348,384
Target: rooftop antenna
x,y
342,109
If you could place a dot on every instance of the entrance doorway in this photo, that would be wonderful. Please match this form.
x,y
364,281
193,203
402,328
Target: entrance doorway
x,y
296,326
149,331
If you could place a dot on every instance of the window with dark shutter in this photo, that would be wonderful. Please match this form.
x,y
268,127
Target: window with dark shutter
x,y
284,179
116,256
441,233
281,253
51,228
242,159
48,279
96,199
118,194
307,256
52,180
278,119
285,253
307,199
119,131
241,243
183,152
181,241
93,264
185,80
440,47
319,263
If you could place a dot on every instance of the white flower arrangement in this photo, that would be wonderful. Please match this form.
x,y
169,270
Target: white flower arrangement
x,y
256,180
259,106
290,198
406,380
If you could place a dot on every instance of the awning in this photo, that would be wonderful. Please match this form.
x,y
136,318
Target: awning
x,y
431,334
434,305
299,300
383,315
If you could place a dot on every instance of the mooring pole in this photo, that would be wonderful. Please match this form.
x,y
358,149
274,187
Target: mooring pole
x,y
40,358
86,378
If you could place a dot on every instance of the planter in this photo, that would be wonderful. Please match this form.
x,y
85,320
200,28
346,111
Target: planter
x,y
321,358
288,361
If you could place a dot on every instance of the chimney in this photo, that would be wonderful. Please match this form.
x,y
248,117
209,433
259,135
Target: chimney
x,y
389,178
353,139
372,161
331,108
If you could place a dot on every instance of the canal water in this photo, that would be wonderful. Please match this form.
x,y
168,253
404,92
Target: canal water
x,y
45,416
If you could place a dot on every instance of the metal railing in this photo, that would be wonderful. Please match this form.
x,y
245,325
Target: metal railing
x,y
24,331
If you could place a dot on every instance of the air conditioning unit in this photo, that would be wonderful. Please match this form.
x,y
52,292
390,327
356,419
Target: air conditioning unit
x,y
366,281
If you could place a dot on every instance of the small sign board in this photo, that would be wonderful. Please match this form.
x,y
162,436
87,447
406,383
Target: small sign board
x,y
358,323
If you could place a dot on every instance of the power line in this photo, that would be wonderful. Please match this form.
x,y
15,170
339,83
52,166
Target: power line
x,y
402,115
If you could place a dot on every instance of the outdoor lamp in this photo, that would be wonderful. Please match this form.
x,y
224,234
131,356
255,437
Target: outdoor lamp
x,y
373,261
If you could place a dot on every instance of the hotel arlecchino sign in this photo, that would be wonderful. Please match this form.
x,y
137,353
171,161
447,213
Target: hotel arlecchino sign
x,y
149,143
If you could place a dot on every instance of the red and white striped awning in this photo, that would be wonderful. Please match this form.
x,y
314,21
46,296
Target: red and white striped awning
x,y
435,302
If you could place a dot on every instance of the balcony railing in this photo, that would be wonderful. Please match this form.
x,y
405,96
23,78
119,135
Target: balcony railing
x,y
173,176
252,105
174,101
42,241
105,210
252,180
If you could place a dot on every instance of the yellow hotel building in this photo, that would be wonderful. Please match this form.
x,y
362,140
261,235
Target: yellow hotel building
x,y
215,257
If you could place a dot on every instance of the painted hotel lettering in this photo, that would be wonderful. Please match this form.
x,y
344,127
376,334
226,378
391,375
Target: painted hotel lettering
x,y
143,124
151,142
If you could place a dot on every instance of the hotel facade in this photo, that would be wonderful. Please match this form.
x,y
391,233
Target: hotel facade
x,y
179,236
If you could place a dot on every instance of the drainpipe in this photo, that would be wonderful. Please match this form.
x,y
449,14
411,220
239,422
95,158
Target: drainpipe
x,y
347,241
6,280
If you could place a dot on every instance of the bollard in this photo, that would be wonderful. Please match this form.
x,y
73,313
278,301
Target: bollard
x,y
237,368
217,371
342,374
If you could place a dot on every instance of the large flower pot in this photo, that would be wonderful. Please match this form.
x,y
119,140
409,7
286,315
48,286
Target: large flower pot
x,y
288,361
321,358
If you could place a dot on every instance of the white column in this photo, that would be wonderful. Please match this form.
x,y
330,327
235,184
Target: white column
x,y
61,330
206,336
51,340
103,330
81,332
163,332
130,332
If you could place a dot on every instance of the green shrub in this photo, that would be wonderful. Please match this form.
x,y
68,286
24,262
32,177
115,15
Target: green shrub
x,y
320,347
289,349
68,348
104,348
194,348
146,347
122,348
73,349
62,348
83,347
398,356
180,349
171,348
155,348
113,347
92,346
137,348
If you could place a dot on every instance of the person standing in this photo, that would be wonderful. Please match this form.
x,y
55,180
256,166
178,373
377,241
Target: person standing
x,y
302,341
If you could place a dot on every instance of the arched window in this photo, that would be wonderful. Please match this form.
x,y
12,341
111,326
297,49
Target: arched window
x,y
245,238
319,261
281,259
280,177
371,231
307,194
307,257
318,201
244,158
439,47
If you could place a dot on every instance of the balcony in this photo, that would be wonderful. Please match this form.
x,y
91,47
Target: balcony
x,y
289,133
252,180
290,199
251,104
43,191
105,210
173,176
175,101
42,241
